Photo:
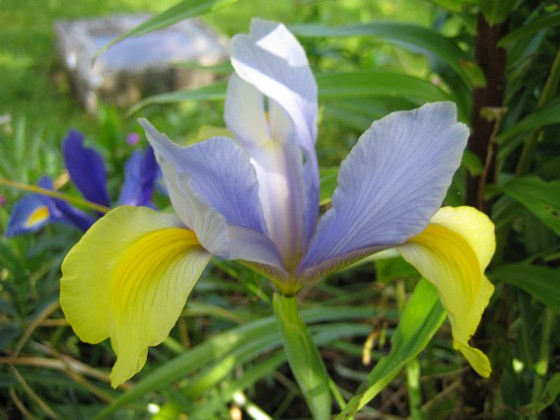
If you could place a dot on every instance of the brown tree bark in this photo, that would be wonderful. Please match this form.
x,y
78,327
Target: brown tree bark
x,y
492,61
478,392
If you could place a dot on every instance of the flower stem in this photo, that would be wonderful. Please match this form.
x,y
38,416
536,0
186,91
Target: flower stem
x,y
413,366
66,197
303,356
541,366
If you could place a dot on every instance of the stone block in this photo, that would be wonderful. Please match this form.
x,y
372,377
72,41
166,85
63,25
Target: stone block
x,y
161,61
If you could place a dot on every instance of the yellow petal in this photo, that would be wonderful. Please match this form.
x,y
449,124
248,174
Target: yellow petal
x,y
40,214
452,253
128,279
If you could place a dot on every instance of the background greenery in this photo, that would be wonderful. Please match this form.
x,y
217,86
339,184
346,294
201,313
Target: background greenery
x,y
225,355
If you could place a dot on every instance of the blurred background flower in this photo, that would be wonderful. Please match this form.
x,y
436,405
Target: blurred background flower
x,y
87,172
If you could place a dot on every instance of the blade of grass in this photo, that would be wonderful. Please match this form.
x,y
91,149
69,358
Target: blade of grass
x,y
181,11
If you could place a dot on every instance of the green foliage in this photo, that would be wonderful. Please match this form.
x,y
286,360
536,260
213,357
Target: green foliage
x,y
540,197
420,320
496,12
543,283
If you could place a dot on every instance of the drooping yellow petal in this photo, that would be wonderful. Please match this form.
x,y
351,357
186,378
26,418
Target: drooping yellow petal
x,y
128,279
452,253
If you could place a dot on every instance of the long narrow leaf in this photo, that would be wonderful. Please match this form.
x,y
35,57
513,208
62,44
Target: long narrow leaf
x,y
378,83
249,377
213,92
220,345
421,318
543,283
530,28
548,115
184,10
539,197
496,12
341,85
547,397
413,37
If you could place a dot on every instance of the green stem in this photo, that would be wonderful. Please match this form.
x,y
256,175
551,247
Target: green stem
x,y
547,94
541,366
414,395
413,366
338,397
66,197
303,356
523,307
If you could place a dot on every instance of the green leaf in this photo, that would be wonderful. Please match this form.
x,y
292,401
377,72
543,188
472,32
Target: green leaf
x,y
496,11
213,92
530,28
412,37
378,83
303,356
249,377
181,11
540,197
390,269
351,113
328,183
472,163
548,115
257,337
359,113
421,318
548,396
340,85
543,283
455,5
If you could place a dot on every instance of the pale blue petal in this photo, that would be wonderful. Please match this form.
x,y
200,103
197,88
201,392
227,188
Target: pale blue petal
x,y
278,162
212,186
391,184
245,114
271,60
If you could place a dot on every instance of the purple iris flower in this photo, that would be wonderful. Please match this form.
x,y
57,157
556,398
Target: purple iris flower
x,y
255,198
87,171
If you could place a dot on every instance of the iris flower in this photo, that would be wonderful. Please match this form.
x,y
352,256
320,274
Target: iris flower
x,y
255,198
87,171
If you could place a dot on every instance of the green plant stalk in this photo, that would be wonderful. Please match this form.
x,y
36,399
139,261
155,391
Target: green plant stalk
x,y
338,397
541,365
414,395
303,356
422,316
66,197
547,94
524,323
412,366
